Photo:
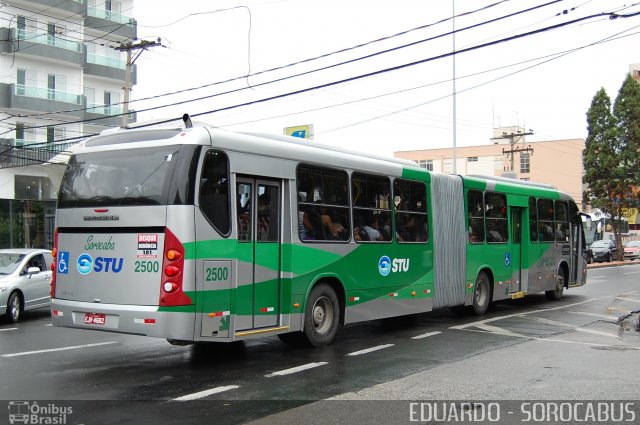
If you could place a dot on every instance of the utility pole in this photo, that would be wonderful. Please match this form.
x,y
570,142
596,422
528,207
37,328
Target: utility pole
x,y
130,47
513,139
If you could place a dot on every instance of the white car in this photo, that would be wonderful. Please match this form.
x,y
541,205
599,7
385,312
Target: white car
x,y
25,281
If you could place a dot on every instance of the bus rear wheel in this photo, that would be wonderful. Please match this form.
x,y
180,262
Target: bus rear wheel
x,y
321,316
556,294
481,294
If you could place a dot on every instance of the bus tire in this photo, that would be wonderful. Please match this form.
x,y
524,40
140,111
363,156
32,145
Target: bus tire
x,y
481,294
556,294
321,316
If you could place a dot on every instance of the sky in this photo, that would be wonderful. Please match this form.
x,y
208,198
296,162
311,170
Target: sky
x,y
378,76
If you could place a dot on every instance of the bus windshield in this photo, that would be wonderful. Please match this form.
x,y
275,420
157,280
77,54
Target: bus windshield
x,y
119,177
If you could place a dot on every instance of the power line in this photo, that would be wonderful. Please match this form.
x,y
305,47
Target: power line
x,y
334,53
406,65
610,15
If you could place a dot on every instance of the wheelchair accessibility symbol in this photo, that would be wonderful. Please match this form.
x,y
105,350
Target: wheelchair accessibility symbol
x,y
507,259
63,262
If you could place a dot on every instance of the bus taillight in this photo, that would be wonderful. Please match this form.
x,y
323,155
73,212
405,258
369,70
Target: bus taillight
x,y
54,264
171,293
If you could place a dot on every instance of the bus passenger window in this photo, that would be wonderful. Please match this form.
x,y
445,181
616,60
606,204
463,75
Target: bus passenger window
x,y
475,209
214,191
545,220
323,207
533,220
371,208
410,200
561,221
496,217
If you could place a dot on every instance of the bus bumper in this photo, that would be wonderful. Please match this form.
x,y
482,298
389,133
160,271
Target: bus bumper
x,y
126,319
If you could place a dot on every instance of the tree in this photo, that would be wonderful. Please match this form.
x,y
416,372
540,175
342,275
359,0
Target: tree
x,y
611,155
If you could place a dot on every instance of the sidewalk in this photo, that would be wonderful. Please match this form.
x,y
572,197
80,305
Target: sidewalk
x,y
611,264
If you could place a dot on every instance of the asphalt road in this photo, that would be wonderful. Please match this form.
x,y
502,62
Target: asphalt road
x,y
524,349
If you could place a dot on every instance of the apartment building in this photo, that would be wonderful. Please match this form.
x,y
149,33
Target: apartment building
x,y
61,79
555,162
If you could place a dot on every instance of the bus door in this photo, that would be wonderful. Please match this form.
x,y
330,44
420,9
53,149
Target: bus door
x,y
578,262
258,224
515,284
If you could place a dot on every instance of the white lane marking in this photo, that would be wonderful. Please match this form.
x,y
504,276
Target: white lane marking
x,y
499,331
635,300
295,369
8,329
51,350
369,350
49,324
205,393
428,334
594,332
552,322
601,316
597,277
590,344
631,273
507,316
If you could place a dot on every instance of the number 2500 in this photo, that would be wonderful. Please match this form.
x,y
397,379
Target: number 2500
x,y
216,274
147,267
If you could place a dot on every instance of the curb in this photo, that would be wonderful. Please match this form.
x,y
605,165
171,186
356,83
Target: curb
x,y
612,264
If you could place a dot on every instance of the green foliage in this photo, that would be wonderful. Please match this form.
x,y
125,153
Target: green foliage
x,y
612,152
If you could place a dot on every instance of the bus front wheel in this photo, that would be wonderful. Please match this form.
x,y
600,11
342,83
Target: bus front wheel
x,y
481,294
321,316
556,294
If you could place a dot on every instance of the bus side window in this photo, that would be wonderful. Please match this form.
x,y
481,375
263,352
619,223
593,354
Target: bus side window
x,y
475,210
496,217
561,221
533,220
410,200
545,220
214,191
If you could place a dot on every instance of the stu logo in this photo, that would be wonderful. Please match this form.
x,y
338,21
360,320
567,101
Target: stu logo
x,y
397,265
86,264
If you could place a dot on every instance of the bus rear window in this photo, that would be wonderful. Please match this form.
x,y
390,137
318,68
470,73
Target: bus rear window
x,y
123,177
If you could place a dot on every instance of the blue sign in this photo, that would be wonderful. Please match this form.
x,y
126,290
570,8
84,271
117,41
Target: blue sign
x,y
63,262
85,263
300,133
507,259
384,265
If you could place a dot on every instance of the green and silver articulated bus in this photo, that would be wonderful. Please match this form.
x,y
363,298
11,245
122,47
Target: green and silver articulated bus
x,y
198,234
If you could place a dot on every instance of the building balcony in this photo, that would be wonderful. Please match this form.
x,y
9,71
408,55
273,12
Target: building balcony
x,y
76,7
20,96
107,115
19,153
108,67
40,45
110,22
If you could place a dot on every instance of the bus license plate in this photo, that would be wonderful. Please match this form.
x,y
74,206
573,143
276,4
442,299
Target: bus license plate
x,y
94,318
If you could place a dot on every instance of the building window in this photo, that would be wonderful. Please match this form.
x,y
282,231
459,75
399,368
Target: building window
x,y
525,162
25,134
472,159
111,102
426,163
